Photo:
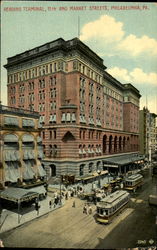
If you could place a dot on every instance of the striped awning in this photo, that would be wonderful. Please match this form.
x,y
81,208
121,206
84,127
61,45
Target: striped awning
x,y
28,123
41,171
29,171
10,138
27,138
11,155
8,120
11,172
28,154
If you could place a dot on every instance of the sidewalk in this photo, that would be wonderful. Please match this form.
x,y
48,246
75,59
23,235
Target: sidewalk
x,y
11,219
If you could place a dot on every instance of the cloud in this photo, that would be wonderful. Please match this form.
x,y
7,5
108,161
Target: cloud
x,y
106,28
120,73
108,33
136,76
136,46
139,76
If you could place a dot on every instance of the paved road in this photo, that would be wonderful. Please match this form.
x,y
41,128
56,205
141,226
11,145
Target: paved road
x,y
68,227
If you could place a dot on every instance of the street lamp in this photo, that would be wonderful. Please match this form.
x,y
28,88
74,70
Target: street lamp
x,y
99,172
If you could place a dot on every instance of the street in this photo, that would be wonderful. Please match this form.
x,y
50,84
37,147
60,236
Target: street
x,y
69,227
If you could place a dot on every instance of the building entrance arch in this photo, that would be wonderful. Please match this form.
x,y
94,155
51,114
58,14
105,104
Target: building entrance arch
x,y
110,143
104,144
52,170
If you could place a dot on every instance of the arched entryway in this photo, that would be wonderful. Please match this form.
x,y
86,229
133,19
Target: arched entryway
x,y
81,170
90,169
98,165
110,143
120,143
124,140
115,144
104,143
52,170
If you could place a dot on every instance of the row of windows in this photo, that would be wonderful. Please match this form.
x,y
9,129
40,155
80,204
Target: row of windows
x,y
35,72
90,73
113,93
90,134
51,68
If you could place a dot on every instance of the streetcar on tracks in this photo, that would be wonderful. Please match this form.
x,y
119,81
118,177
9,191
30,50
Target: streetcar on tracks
x,y
133,181
111,206
154,170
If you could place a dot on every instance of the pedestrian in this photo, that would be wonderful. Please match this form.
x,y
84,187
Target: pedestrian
x,y
1,243
50,204
69,193
73,204
66,195
90,210
72,193
85,209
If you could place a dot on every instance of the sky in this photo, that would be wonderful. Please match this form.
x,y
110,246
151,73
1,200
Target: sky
x,y
123,34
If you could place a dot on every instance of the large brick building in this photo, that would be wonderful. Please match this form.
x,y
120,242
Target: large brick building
x,y
87,115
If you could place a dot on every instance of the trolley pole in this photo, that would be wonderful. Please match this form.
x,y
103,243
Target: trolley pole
x,y
60,188
18,211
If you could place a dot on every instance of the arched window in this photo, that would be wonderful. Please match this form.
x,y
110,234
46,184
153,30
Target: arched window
x,y
52,170
81,169
110,143
90,169
120,143
115,144
104,143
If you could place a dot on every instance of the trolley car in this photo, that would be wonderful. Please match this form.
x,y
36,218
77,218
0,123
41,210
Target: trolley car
x,y
154,170
111,205
132,182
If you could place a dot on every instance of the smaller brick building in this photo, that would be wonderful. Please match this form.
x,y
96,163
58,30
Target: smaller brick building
x,y
20,149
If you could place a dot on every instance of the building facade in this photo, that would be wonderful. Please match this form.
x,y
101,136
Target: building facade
x,y
86,114
20,149
148,135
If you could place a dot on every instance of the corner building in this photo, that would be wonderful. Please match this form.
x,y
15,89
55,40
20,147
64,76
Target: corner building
x,y
20,149
87,115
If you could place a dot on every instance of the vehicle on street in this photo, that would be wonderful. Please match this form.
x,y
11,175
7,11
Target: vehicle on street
x,y
111,205
152,200
154,170
132,182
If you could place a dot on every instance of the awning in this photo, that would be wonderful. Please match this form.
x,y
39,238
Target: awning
x,y
42,171
39,139
40,154
121,160
28,171
11,155
10,138
63,117
80,151
84,152
73,117
81,119
18,194
110,165
88,177
40,189
28,123
27,138
28,154
12,172
8,120
68,117
101,173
